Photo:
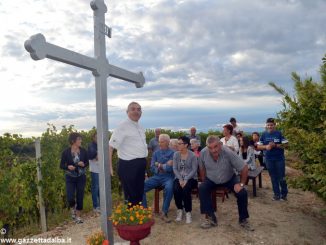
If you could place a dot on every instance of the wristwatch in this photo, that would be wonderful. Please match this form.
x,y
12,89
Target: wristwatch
x,y
241,184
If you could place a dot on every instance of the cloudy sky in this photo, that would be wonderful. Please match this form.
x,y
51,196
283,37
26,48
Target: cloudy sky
x,y
203,60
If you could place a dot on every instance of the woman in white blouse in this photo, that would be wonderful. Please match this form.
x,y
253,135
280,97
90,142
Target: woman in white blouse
x,y
229,140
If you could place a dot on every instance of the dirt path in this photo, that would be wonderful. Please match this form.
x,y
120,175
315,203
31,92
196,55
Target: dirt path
x,y
301,220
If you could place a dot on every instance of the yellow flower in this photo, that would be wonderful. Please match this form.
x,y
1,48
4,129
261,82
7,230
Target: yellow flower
x,y
124,214
96,238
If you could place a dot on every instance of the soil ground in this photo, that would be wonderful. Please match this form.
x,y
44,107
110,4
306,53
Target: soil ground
x,y
300,220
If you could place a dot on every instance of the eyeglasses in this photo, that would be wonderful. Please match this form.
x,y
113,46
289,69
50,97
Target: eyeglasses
x,y
181,143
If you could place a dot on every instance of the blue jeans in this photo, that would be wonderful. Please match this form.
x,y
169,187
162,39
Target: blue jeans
x,y
95,188
165,180
276,170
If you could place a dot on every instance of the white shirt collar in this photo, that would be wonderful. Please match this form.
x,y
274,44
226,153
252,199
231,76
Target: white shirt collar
x,y
136,123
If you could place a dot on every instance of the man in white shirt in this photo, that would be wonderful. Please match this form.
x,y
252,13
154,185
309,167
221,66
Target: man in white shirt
x,y
130,141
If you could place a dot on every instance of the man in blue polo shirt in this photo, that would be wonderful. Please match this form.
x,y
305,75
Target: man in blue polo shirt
x,y
273,142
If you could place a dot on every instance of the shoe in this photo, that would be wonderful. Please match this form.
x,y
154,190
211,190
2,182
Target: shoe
x,y
284,199
73,213
165,218
209,222
179,215
97,210
275,198
79,220
188,218
245,225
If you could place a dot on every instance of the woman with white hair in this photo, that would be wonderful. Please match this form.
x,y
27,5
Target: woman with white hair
x,y
195,147
173,144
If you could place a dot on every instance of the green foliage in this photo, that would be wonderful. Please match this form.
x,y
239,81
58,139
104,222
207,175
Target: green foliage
x,y
18,188
303,120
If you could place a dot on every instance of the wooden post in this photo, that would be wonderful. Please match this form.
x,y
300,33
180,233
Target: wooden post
x,y
39,188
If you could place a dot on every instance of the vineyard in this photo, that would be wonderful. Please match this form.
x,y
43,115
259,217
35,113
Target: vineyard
x,y
303,121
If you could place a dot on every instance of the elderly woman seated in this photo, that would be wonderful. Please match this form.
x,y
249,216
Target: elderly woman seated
x,y
162,168
173,144
195,147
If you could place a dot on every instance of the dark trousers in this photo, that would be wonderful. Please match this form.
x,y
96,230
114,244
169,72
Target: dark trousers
x,y
182,196
75,187
132,177
205,198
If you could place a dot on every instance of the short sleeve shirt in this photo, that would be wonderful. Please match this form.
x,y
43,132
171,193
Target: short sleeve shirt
x,y
130,140
276,137
222,170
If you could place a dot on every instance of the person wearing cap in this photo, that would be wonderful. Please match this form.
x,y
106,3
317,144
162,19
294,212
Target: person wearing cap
x,y
229,140
216,164
273,142
236,128
130,141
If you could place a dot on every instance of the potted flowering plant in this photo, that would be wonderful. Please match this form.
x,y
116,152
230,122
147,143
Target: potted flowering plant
x,y
133,223
97,238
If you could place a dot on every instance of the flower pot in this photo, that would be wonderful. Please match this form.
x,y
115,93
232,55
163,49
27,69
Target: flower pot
x,y
134,233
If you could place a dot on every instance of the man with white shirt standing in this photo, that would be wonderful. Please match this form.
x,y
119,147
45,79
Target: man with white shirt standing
x,y
130,141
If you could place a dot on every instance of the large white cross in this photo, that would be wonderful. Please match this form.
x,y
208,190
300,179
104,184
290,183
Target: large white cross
x,y
39,49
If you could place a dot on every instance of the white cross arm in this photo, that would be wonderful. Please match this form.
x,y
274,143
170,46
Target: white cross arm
x,y
120,73
38,48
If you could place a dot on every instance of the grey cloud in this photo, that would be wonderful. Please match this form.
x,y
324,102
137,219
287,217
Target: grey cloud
x,y
188,50
240,28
